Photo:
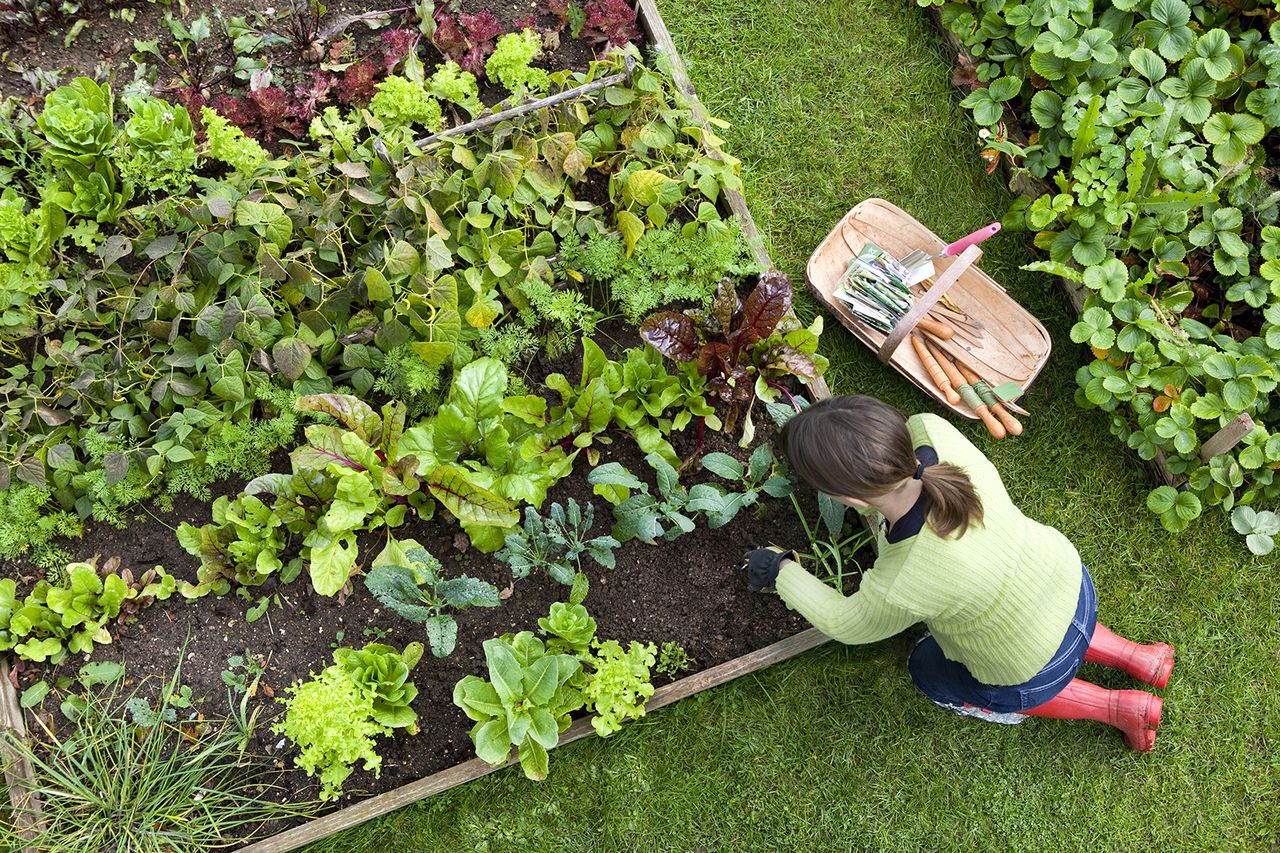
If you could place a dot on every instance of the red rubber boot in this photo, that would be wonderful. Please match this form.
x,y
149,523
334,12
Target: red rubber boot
x,y
1150,663
1135,713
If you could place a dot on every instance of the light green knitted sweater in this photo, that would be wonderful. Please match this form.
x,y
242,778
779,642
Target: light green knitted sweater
x,y
998,599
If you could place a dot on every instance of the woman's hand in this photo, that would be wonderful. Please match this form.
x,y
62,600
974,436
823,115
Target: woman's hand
x,y
763,564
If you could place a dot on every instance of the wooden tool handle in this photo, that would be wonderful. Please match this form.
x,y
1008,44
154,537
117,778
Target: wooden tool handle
x,y
968,394
1011,424
935,370
941,331
953,376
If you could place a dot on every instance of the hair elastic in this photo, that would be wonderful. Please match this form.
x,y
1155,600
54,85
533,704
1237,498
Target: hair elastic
x,y
919,474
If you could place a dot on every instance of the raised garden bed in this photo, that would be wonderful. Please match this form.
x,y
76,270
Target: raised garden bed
x,y
1005,141
687,592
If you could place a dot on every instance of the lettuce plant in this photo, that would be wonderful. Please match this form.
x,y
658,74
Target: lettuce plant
x,y
400,102
509,64
331,722
242,543
407,580
524,705
335,717
160,145
228,144
618,683
450,83
78,123
382,673
571,628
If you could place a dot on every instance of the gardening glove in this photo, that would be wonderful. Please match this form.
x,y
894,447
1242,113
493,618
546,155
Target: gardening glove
x,y
762,566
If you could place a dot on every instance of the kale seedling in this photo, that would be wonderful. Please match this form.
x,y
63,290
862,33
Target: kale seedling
x,y
720,505
557,543
407,580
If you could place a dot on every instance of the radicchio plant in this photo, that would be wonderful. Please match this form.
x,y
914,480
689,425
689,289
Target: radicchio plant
x,y
738,341
466,39
610,23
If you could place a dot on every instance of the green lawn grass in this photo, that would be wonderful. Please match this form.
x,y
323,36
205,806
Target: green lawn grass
x,y
833,101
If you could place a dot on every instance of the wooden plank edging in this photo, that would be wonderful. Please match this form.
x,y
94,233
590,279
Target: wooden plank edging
x,y
18,776
367,810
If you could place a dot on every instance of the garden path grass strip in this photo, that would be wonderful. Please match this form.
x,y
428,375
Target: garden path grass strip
x,y
25,805
467,771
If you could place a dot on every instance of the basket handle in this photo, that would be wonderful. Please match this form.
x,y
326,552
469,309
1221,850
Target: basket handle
x,y
922,305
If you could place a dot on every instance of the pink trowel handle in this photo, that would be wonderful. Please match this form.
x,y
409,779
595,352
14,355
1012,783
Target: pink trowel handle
x,y
972,240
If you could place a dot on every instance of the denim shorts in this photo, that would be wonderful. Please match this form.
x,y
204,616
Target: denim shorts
x,y
949,683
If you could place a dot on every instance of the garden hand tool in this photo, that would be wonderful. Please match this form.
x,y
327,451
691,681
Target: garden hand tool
x,y
1010,423
919,264
967,394
935,370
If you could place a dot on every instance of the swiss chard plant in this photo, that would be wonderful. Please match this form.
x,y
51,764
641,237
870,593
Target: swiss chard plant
x,y
345,479
483,453
409,581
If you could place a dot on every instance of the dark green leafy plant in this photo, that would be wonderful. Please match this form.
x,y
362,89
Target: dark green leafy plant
x,y
409,582
643,515
557,544
758,475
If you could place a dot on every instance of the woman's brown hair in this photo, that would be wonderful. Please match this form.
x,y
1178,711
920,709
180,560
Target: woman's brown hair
x,y
859,447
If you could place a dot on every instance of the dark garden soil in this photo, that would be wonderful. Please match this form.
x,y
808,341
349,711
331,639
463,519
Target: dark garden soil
x,y
690,591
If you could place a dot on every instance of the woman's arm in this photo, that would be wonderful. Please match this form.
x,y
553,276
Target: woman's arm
x,y
864,617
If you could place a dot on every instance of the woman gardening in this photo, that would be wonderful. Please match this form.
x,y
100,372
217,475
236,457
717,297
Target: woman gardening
x,y
1011,612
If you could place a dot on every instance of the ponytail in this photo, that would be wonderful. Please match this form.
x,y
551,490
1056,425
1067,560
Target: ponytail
x,y
859,447
954,502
